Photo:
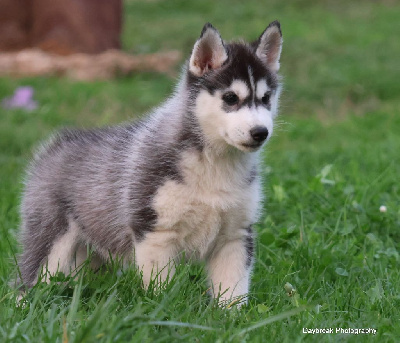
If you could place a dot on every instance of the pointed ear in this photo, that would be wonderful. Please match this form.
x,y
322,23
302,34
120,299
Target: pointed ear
x,y
208,53
270,45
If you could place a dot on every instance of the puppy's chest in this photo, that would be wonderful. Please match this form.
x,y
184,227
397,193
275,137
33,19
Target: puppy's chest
x,y
208,199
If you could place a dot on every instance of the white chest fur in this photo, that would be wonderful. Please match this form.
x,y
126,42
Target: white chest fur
x,y
214,199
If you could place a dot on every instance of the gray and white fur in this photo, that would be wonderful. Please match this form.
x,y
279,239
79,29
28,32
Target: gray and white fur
x,y
184,179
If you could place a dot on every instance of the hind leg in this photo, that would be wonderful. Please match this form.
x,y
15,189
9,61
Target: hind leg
x,y
65,254
83,251
41,231
62,252
70,252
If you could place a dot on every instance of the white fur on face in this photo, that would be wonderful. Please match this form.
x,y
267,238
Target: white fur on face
x,y
240,89
234,127
237,129
262,88
275,101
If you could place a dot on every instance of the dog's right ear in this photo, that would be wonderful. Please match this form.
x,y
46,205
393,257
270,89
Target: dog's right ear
x,y
208,53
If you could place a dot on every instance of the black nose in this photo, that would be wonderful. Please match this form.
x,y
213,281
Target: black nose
x,y
259,133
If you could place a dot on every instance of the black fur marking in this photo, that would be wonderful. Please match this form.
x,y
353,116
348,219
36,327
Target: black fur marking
x,y
249,102
164,164
229,109
191,135
249,244
259,102
246,102
240,57
206,27
277,24
253,175
160,165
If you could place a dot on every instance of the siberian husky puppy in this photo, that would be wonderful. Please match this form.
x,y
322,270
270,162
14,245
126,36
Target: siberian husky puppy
x,y
183,181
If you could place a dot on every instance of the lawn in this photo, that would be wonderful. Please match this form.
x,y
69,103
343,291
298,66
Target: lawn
x,y
334,161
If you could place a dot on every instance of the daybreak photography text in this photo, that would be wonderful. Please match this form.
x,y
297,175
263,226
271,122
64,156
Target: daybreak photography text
x,y
349,331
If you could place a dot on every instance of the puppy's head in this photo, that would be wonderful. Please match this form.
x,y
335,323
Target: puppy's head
x,y
235,88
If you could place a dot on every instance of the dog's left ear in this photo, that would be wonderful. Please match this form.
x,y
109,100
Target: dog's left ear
x,y
208,53
269,46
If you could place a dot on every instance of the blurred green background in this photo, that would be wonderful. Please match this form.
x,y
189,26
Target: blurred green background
x,y
333,162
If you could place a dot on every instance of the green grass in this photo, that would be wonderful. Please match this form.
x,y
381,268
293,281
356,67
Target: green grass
x,y
333,162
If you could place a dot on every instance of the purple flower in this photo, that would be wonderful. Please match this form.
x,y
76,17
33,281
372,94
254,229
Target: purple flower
x,y
22,98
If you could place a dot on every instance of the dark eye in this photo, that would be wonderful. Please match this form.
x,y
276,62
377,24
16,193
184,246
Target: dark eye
x,y
265,99
230,98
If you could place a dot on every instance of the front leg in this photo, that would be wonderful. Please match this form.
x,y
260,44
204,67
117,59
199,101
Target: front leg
x,y
230,265
155,257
